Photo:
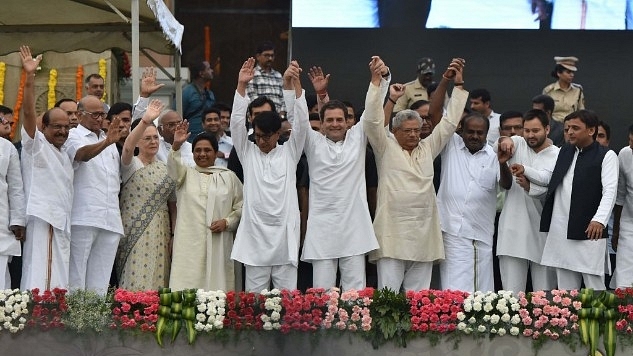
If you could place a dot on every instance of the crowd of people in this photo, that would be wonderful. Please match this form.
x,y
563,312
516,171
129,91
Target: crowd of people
x,y
289,190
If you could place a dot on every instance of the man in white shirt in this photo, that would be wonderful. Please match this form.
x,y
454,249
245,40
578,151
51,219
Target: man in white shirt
x,y
622,240
267,240
96,225
580,197
480,102
520,244
339,229
467,200
48,186
167,124
212,123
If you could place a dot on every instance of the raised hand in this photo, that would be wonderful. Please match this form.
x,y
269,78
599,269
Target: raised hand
x,y
181,134
319,80
377,68
247,71
455,69
396,91
29,63
148,82
154,109
115,130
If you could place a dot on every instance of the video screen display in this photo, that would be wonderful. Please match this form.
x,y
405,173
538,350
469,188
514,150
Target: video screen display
x,y
466,14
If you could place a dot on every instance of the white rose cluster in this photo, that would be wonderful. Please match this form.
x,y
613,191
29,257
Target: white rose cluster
x,y
211,310
13,307
494,313
273,307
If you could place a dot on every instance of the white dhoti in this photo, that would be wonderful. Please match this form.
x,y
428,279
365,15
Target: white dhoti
x,y
468,264
45,256
623,275
92,253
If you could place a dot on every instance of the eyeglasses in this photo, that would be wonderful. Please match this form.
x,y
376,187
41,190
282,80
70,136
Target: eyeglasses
x,y
171,125
264,137
411,131
60,127
96,115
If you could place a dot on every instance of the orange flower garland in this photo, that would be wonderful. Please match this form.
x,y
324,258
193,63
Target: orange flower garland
x,y
79,77
18,104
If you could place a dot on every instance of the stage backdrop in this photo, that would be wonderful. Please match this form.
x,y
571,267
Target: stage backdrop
x,y
514,65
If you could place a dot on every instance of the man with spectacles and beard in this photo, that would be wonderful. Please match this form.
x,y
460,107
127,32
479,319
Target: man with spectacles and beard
x,y
267,242
96,225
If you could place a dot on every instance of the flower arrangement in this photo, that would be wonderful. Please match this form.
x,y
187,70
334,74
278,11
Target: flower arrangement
x,y
272,309
3,72
18,103
135,310
48,308
625,309
490,314
350,310
87,311
550,317
244,311
13,309
52,83
435,310
102,72
79,79
211,310
303,312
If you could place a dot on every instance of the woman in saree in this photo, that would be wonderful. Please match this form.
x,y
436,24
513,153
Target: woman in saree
x,y
143,258
209,201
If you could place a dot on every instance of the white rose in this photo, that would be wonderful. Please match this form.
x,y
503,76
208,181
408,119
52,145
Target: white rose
x,y
461,326
208,327
201,317
472,320
476,306
486,318
493,331
501,332
505,317
494,319
515,319
275,316
481,328
468,307
268,326
218,324
265,318
514,331
461,316
202,307
488,307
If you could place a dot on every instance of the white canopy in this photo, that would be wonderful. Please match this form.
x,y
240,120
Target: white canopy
x,y
68,25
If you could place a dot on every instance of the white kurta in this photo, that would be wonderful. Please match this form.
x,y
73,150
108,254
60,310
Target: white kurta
x,y
201,258
577,255
623,274
48,182
407,221
96,183
467,197
339,224
519,223
12,205
268,234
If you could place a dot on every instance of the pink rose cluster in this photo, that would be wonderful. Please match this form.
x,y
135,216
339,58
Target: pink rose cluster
x,y
435,310
135,310
549,318
348,310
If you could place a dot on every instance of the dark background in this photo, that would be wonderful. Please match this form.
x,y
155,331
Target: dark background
x,y
514,65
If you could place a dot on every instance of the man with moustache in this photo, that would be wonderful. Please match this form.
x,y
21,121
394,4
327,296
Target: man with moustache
x,y
417,89
267,81
70,107
96,225
212,123
520,244
466,200
48,178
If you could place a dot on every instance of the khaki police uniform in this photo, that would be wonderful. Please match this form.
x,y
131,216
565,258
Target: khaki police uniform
x,y
566,100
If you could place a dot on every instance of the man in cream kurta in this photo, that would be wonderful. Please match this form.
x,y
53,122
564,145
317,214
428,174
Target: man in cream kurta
x,y
267,240
407,222
520,243
623,219
339,230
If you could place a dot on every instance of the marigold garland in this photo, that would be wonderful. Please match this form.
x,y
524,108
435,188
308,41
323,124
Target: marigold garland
x,y
102,73
52,83
3,70
18,104
79,78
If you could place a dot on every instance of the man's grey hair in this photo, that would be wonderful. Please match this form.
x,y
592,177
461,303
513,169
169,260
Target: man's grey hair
x,y
165,112
405,115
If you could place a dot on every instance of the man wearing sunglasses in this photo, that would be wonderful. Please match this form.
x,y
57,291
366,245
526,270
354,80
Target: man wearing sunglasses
x,y
6,122
96,225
